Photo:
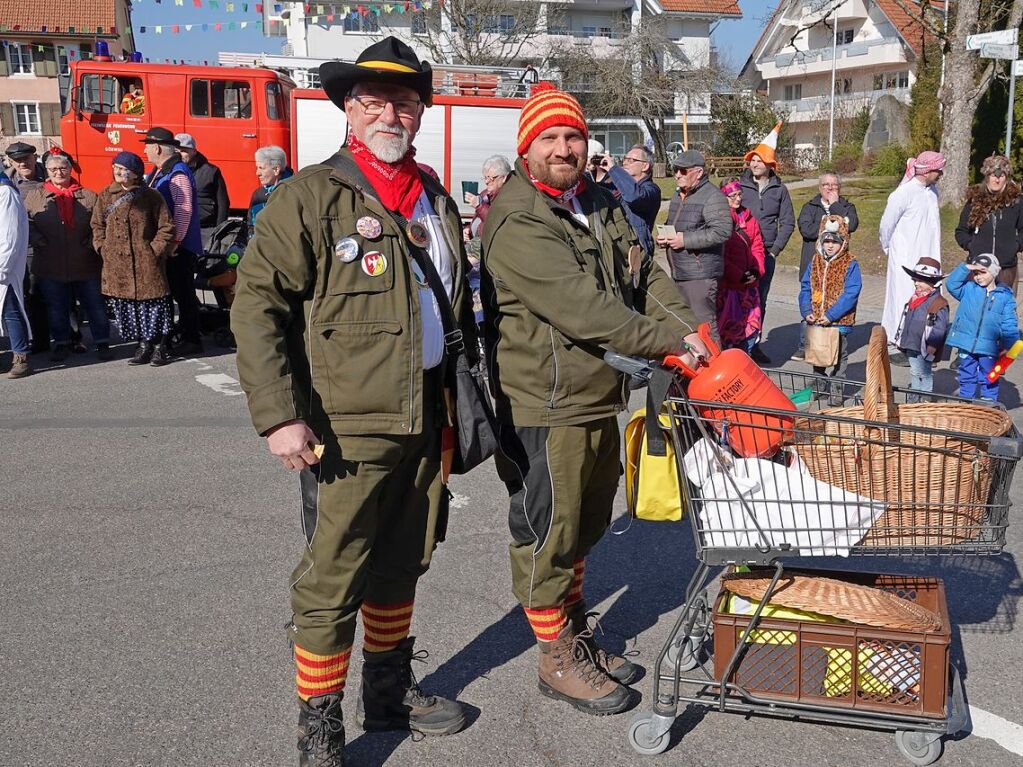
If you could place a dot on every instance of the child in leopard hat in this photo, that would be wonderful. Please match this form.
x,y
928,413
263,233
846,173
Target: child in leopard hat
x,y
829,292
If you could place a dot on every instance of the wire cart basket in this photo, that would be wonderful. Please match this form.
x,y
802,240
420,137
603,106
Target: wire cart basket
x,y
843,485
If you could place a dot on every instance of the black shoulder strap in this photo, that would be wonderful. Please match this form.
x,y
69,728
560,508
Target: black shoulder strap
x,y
347,168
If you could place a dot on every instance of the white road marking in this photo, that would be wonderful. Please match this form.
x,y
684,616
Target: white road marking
x,y
220,383
1006,734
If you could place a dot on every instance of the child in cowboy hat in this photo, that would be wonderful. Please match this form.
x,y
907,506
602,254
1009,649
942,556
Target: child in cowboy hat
x,y
985,322
924,324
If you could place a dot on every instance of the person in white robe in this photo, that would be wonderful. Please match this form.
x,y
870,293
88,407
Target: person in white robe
x,y
910,229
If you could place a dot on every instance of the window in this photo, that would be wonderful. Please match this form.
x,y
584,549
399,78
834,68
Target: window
x,y
63,64
878,82
604,32
221,98
99,94
893,80
845,36
843,85
793,92
419,24
357,23
274,101
589,31
19,57
26,119
507,23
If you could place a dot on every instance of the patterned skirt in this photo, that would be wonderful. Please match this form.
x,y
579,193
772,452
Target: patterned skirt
x,y
142,320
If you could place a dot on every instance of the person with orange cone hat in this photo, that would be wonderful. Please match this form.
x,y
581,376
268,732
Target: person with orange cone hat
x,y
768,200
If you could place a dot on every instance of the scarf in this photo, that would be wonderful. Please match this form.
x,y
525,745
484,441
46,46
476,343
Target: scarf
x,y
397,184
564,196
65,196
915,301
923,163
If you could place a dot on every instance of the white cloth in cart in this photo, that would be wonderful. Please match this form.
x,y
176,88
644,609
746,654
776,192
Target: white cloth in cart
x,y
786,501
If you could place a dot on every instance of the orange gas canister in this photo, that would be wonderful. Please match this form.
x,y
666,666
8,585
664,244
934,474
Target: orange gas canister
x,y
732,378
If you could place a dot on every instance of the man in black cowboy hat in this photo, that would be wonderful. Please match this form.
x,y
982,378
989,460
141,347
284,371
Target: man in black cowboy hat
x,y
172,178
340,352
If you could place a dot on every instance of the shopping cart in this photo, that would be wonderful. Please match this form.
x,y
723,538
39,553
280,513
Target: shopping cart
x,y
878,500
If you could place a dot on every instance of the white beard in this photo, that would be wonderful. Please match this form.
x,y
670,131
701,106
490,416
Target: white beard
x,y
388,148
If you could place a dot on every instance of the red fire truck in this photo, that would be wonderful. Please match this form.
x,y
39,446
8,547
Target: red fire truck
x,y
232,111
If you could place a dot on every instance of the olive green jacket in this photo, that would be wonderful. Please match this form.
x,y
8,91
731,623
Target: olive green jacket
x,y
556,293
321,340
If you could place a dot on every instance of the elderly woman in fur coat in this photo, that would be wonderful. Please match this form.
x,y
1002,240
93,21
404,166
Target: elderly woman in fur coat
x,y
992,220
134,232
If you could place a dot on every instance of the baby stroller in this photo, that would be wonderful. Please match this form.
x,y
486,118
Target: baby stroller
x,y
216,271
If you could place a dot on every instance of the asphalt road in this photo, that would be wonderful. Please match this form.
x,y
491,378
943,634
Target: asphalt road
x,y
145,547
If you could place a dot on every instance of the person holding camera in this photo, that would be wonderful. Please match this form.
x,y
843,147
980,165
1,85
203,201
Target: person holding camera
x,y
635,189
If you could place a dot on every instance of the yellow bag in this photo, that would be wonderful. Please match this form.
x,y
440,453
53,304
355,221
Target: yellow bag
x,y
652,489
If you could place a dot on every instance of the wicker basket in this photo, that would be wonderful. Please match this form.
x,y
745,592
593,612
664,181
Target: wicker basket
x,y
935,485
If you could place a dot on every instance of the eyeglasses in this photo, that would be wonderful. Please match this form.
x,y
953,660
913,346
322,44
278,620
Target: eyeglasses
x,y
374,106
632,159
735,194
491,179
831,186
58,169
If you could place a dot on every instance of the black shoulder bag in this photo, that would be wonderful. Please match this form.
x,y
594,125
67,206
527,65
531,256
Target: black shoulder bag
x,y
471,414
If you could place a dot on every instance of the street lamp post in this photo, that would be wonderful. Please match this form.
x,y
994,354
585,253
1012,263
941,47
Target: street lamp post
x,y
834,67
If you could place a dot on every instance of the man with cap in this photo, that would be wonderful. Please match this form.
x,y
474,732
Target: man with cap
x,y
210,187
564,278
341,352
768,200
910,229
27,172
703,223
171,177
25,166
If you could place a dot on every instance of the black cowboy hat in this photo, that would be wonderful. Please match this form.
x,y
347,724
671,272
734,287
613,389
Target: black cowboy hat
x,y
160,136
390,61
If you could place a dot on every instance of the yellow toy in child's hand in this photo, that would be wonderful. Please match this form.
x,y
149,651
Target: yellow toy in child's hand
x,y
318,450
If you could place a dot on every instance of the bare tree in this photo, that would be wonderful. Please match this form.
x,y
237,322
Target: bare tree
x,y
486,32
643,74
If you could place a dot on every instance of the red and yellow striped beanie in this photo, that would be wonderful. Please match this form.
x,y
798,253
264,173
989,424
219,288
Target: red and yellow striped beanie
x,y
547,107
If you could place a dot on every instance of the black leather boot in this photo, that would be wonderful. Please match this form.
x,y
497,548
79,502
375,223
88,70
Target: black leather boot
x,y
143,354
321,732
391,698
160,355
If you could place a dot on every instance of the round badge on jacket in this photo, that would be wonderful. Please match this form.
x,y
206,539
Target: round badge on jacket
x,y
369,227
346,249
418,233
374,263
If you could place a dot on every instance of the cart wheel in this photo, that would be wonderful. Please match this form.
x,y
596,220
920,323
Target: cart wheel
x,y
639,736
915,747
689,647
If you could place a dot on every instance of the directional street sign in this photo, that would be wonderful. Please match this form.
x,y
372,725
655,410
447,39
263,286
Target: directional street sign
x,y
1017,68
1005,37
999,51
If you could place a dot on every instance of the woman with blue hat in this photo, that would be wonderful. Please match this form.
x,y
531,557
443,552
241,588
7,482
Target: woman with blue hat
x,y
134,233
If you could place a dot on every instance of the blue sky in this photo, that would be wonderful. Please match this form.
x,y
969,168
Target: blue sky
x,y
734,39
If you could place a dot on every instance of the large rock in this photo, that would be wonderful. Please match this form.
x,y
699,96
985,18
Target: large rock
x,y
889,124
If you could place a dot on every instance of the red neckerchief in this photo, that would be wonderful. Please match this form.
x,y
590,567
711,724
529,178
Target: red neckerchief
x,y
397,184
65,201
564,196
915,301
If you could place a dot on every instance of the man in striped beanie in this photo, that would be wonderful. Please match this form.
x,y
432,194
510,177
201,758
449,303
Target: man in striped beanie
x,y
564,278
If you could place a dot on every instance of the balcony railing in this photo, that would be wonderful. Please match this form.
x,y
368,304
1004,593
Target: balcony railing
x,y
599,32
848,51
818,107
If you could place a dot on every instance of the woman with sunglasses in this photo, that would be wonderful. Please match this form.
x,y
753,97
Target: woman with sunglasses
x,y
992,220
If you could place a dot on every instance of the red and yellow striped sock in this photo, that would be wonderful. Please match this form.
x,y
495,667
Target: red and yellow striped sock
x,y
546,622
575,595
320,674
385,625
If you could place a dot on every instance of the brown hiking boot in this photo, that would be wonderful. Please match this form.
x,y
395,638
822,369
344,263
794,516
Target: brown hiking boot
x,y
618,668
19,367
568,673
392,699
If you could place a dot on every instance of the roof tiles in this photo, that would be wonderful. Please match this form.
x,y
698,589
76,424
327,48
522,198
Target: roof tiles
x,y
59,15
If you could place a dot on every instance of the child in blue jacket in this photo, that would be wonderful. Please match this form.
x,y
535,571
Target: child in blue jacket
x,y
830,291
985,323
924,325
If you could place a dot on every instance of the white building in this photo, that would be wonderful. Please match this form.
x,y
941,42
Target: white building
x,y
876,51
333,30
